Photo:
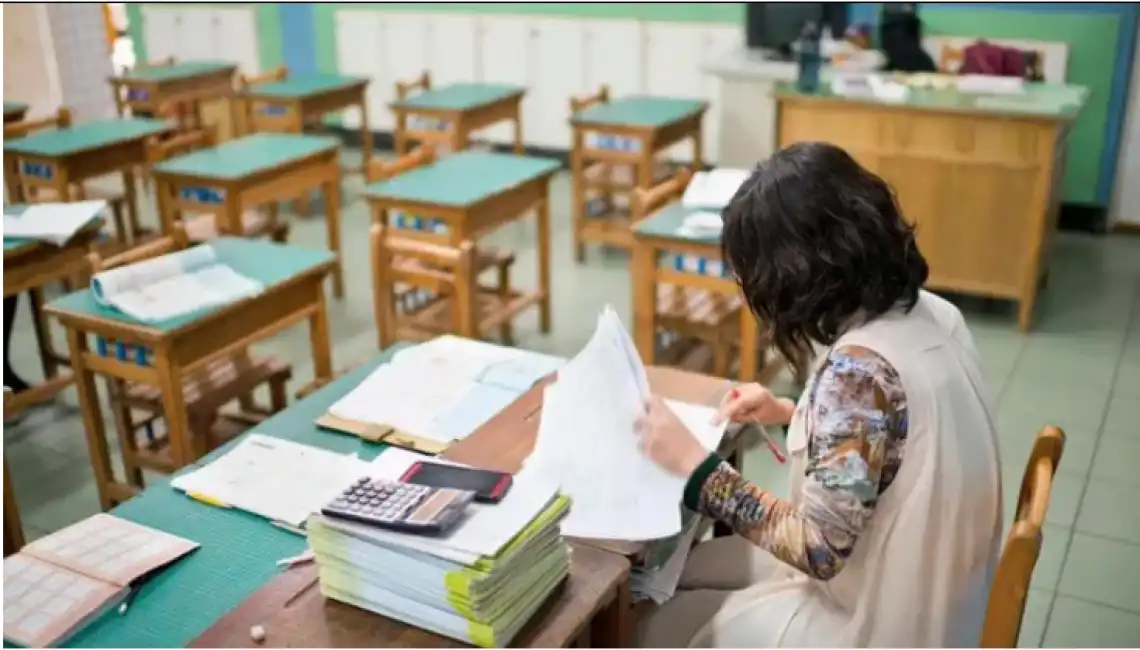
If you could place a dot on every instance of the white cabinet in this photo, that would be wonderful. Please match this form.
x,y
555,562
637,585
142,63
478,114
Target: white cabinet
x,y
191,32
1125,204
504,42
556,72
614,54
235,38
452,48
358,35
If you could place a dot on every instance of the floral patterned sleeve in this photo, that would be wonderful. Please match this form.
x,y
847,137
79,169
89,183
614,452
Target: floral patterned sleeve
x,y
855,447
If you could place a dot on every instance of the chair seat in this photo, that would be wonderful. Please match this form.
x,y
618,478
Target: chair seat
x,y
203,226
626,175
678,306
219,382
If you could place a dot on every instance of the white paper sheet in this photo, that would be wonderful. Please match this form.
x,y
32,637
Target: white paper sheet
x,y
713,189
277,479
172,285
586,442
55,223
702,224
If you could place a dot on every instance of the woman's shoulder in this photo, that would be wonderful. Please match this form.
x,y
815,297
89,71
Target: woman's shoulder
x,y
854,371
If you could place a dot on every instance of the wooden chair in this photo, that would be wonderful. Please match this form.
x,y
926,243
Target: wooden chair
x,y
605,185
688,309
1023,545
252,110
204,226
424,283
33,183
206,389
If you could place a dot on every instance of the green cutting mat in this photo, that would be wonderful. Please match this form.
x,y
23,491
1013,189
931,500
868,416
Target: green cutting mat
x,y
239,551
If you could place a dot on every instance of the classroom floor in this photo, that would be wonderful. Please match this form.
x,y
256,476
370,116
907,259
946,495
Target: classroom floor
x,y
1079,369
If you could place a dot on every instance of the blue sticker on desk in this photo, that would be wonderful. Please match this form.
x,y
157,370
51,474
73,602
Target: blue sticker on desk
x,y
699,265
421,224
202,195
43,171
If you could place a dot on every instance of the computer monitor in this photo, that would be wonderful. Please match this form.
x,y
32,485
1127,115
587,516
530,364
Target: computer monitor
x,y
774,26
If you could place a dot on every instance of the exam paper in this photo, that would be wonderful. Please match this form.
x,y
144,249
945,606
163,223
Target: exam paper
x,y
586,442
713,190
702,224
55,223
172,285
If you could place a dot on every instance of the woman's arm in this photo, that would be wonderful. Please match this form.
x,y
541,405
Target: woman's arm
x,y
854,452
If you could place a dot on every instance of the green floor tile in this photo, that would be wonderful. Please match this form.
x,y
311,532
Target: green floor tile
x,y
1063,501
1047,573
1102,571
1110,510
1079,624
1123,416
1115,460
1018,430
1035,618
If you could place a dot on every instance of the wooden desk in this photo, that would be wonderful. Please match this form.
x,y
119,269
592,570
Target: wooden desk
x,y
28,266
293,278
58,159
473,194
286,106
454,112
660,252
14,111
296,615
13,526
979,175
260,169
624,132
146,88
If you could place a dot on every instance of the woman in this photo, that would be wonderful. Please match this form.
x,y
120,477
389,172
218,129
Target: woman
x,y
892,529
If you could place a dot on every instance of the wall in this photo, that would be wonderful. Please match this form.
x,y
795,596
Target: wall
x,y
1101,36
1125,208
30,74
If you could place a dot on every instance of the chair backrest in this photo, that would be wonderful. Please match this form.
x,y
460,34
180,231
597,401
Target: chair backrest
x,y
171,243
280,73
420,83
646,201
379,170
1023,545
585,101
160,149
60,120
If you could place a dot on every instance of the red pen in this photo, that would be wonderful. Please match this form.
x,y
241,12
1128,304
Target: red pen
x,y
772,446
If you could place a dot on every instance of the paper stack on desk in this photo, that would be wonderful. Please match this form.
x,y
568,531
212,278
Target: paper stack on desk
x,y
54,223
479,584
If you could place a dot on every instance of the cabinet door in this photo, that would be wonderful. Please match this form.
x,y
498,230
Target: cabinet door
x,y
504,42
557,71
716,41
451,48
613,53
235,39
198,34
162,31
358,34
673,55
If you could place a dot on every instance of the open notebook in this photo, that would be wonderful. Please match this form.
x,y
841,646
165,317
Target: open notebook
x,y
712,190
57,584
172,285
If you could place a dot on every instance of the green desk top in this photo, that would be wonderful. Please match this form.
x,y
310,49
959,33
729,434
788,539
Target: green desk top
x,y
14,107
462,179
304,86
267,262
1058,101
177,70
246,156
639,111
666,224
459,97
239,551
85,137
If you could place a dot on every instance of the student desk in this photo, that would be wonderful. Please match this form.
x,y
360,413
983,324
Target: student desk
x,y
454,112
28,266
14,111
260,169
149,87
285,106
473,193
980,176
81,152
200,599
662,254
629,131
293,278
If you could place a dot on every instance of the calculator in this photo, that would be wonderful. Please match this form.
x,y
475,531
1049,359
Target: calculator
x,y
400,506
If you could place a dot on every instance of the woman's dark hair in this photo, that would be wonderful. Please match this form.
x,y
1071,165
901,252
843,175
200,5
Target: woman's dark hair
x,y
816,240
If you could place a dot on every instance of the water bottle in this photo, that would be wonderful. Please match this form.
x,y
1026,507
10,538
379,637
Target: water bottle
x,y
809,58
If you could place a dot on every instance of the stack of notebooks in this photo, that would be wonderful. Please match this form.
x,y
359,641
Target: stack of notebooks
x,y
480,583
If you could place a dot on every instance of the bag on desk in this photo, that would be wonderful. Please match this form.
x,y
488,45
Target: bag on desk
x,y
987,58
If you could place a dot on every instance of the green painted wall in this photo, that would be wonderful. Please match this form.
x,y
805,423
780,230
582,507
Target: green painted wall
x,y
268,28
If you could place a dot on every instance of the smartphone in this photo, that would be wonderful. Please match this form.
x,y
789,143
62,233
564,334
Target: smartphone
x,y
489,486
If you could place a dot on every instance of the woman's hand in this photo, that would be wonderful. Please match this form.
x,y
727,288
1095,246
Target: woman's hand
x,y
754,403
666,440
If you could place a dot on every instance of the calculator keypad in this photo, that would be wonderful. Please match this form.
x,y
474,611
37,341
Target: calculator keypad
x,y
401,506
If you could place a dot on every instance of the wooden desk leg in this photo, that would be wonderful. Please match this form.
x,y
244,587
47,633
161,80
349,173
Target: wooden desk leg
x,y
520,146
749,343
400,136
132,198
544,315
1027,304
578,193
698,149
48,358
319,340
181,437
92,418
613,625
332,223
13,527
12,180
231,215
644,276
365,135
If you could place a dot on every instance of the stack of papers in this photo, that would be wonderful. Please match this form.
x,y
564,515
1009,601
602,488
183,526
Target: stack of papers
x,y
283,481
479,584
443,390
54,223
702,224
714,189
657,576
587,443
172,285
